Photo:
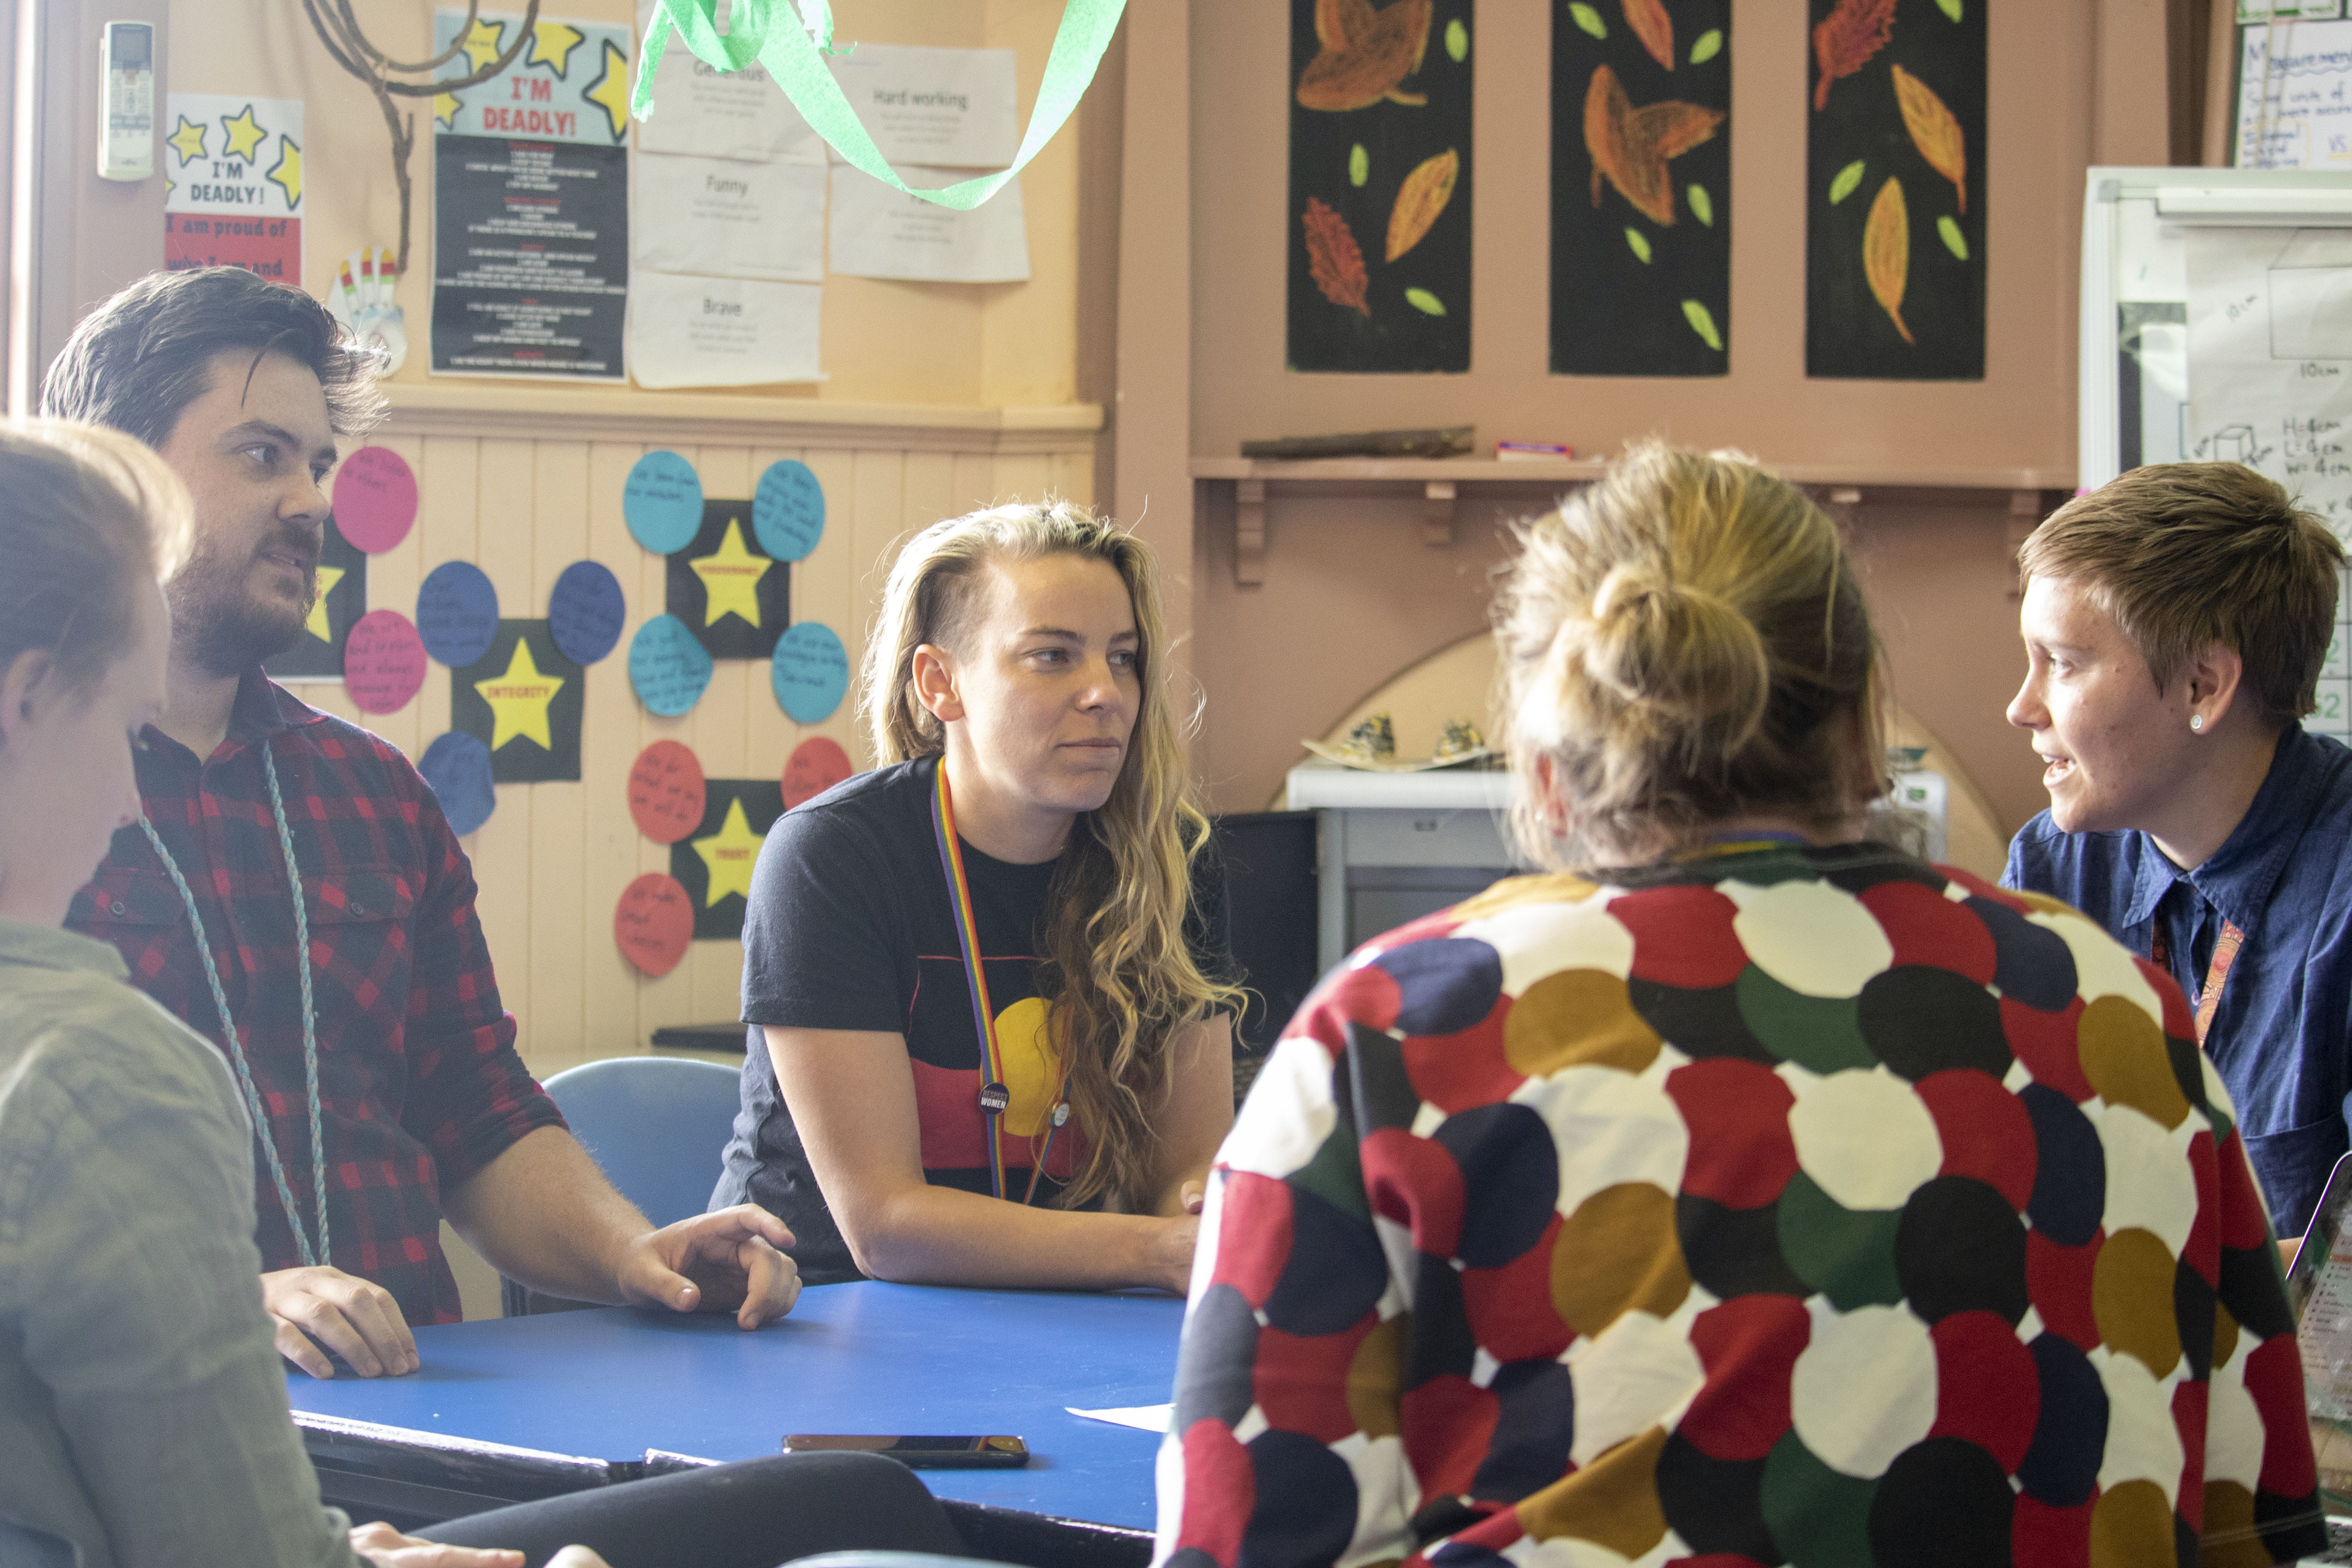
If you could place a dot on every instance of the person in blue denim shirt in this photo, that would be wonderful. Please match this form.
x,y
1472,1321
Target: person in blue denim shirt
x,y
2176,621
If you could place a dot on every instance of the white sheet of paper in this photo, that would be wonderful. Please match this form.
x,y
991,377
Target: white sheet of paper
x,y
881,233
933,106
721,332
711,113
2270,347
728,219
2294,103
1142,1417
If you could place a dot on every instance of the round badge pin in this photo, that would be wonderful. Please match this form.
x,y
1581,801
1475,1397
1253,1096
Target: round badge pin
x,y
994,1097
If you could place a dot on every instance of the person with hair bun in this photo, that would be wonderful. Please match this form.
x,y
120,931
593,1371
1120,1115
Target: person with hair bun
x,y
1739,1190
2175,622
991,1038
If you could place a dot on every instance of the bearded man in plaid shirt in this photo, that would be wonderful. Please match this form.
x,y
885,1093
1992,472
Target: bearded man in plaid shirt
x,y
423,1107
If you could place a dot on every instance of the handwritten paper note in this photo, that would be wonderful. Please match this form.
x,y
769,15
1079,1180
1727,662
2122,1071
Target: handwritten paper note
x,y
816,765
665,792
384,662
2295,97
811,672
375,498
457,768
653,923
723,332
729,219
878,232
788,510
458,613
661,502
668,666
586,612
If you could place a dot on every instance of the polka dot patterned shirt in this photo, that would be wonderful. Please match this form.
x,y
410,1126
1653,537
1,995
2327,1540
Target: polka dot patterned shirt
x,y
1781,1206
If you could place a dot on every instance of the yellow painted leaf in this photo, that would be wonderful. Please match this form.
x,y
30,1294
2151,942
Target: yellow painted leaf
x,y
1457,41
1709,45
1419,200
1639,244
1847,179
1934,131
1586,17
1427,304
1360,164
1954,241
1702,205
1702,322
1887,251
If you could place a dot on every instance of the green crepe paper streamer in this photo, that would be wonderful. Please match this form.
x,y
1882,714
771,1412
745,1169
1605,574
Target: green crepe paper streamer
x,y
1639,244
792,49
1953,240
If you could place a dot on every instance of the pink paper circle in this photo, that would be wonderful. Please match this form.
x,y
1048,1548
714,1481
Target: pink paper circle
x,y
653,923
384,662
375,498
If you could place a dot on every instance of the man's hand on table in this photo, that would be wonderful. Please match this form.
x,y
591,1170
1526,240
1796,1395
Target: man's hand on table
x,y
380,1544
355,1318
732,1260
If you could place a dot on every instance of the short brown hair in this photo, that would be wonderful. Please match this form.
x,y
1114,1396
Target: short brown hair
x,y
90,520
2185,555
1685,641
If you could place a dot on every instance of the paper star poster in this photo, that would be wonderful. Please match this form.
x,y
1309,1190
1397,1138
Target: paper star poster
x,y
734,595
714,862
522,700
233,183
318,654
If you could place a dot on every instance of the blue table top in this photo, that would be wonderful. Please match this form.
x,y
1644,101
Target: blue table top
x,y
865,1357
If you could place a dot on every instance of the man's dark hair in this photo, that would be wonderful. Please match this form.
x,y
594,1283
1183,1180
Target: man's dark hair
x,y
139,359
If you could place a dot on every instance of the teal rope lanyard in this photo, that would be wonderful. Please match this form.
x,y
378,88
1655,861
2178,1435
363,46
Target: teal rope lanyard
x,y
228,1026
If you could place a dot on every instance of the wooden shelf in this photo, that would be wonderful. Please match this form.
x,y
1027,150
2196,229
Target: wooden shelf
x,y
1841,488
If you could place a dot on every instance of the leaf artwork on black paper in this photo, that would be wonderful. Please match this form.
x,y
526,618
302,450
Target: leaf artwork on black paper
x,y
1641,188
1380,186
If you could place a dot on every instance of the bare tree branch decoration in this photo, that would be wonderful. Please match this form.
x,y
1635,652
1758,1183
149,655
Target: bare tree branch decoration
x,y
339,31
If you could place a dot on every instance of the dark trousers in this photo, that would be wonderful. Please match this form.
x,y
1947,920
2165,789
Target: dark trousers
x,y
754,1514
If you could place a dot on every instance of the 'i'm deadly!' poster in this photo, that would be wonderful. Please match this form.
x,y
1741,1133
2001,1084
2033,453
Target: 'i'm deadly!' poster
x,y
232,185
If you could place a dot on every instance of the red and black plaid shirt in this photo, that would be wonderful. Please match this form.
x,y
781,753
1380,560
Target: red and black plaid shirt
x,y
419,1083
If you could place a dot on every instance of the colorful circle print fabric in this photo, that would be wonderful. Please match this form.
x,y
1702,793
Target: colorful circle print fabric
x,y
1785,1207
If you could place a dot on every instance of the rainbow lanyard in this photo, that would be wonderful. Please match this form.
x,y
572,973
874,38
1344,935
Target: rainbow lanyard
x,y
994,1097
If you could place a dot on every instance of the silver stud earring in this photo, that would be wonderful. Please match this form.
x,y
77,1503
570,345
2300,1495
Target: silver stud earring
x,y
2197,721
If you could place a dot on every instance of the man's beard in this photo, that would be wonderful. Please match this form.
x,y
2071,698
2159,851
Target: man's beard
x,y
219,625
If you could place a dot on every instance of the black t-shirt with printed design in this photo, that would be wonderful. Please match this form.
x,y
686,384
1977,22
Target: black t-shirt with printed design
x,y
849,926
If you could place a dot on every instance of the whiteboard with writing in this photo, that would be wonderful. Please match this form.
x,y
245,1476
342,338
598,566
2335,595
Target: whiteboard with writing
x,y
2217,327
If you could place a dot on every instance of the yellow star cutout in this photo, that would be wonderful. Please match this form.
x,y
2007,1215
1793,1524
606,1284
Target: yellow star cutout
x,y
288,175
610,92
519,700
245,134
729,853
317,624
188,141
551,44
445,109
484,42
730,578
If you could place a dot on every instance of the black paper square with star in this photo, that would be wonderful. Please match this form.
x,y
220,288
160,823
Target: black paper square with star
x,y
724,570
714,862
318,654
523,699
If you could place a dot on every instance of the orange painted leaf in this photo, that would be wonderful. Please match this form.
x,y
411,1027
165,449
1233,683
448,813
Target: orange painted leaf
x,y
1630,146
1420,199
1934,131
1887,251
1651,23
1846,39
1332,259
1365,54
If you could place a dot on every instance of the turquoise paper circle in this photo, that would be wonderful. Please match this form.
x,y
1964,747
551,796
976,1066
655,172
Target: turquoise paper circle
x,y
662,502
788,510
811,672
668,666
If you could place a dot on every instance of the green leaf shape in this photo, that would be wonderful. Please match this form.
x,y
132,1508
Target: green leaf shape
x,y
1639,243
1360,164
1586,17
1702,205
1954,241
1847,179
1950,7
1709,46
1427,304
1702,322
1457,41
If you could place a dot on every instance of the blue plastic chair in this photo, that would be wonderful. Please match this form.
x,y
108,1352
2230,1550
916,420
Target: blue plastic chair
x,y
657,1125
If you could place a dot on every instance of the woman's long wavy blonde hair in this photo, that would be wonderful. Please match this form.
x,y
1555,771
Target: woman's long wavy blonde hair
x,y
1121,978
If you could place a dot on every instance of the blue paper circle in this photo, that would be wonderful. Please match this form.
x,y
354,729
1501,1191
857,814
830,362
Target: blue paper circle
x,y
586,612
458,613
663,502
458,767
788,510
811,672
668,666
